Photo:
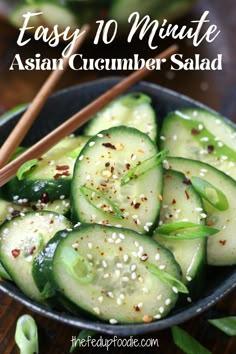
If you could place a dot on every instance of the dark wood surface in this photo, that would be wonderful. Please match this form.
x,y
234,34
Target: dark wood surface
x,y
216,89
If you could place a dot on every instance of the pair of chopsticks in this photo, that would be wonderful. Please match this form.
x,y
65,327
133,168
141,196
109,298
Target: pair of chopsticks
x,y
77,120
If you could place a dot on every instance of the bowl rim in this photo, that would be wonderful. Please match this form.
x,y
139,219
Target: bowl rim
x,y
182,315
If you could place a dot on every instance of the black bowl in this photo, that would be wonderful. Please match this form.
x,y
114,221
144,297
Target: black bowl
x,y
60,107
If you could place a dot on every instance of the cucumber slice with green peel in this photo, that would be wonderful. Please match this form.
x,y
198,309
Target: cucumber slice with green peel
x,y
21,239
53,14
181,203
99,192
221,248
111,273
3,273
8,210
51,174
132,110
200,135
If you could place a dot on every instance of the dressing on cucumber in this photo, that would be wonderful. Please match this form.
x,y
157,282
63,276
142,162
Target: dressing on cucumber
x,y
200,135
221,248
20,241
51,174
107,272
99,192
132,110
182,203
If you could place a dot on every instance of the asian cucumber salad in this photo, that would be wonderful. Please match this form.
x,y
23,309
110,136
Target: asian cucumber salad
x,y
120,222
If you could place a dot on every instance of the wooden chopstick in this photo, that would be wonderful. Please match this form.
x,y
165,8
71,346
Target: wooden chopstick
x,y
77,120
26,121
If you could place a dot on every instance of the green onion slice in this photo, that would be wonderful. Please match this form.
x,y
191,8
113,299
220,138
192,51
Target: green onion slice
x,y
210,193
225,324
77,265
25,168
167,278
186,342
185,231
90,193
26,335
144,167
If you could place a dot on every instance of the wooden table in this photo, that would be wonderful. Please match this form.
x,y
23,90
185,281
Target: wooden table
x,y
216,89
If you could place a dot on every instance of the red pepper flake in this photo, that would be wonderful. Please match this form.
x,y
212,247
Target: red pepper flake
x,y
210,148
173,201
109,146
107,164
44,198
187,181
40,159
209,223
222,242
58,175
127,166
15,212
137,205
51,221
168,176
144,257
187,195
32,250
15,253
195,131
62,167
136,308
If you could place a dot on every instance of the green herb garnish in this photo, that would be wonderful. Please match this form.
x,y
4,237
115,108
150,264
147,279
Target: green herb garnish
x,y
225,324
26,335
185,231
186,342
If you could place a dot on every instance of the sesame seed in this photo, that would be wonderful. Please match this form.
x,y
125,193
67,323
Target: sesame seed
x,y
119,301
188,278
162,266
133,157
125,279
100,298
162,137
189,299
166,164
161,309
90,245
119,265
203,215
167,301
146,228
175,290
113,321
133,267
100,135
105,276
157,317
122,296
125,258
110,294
110,240
104,263
92,143
133,276
157,256
147,318
89,256
136,244
81,157
145,290
97,310
122,236
117,272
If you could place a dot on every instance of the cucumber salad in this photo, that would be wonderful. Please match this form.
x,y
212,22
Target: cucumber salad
x,y
120,222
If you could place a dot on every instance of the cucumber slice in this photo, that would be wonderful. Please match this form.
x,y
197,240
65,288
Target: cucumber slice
x,y
21,239
98,192
181,203
104,271
221,248
3,273
52,173
132,110
207,136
